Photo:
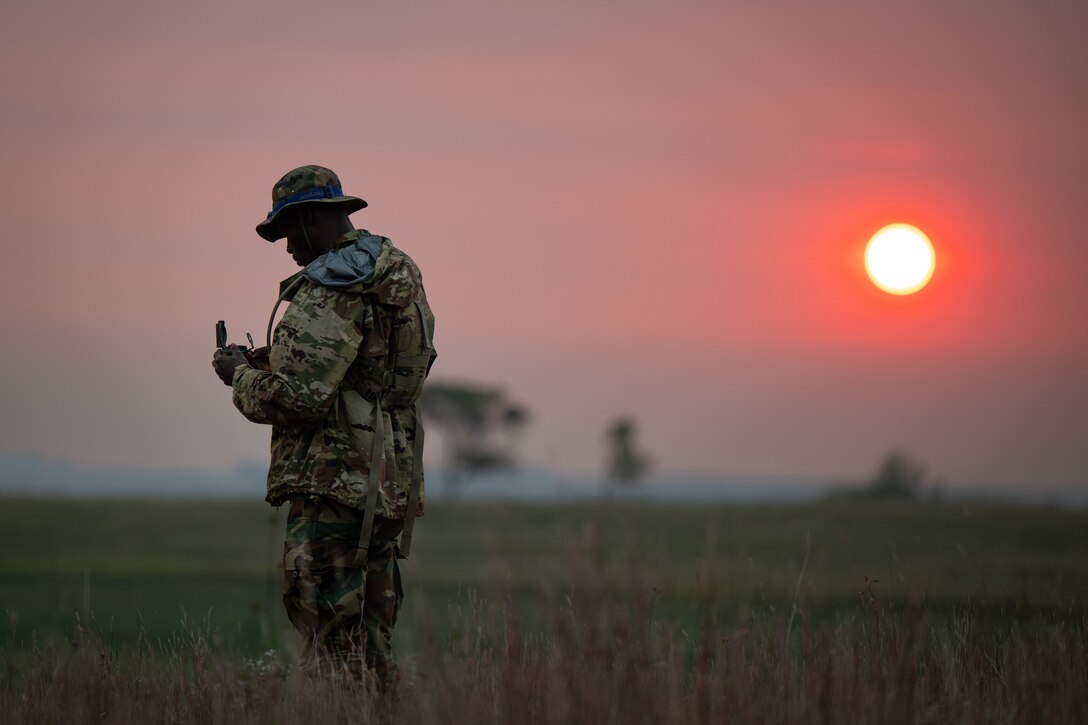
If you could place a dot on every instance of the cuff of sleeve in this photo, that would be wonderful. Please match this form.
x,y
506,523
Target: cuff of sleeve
x,y
240,368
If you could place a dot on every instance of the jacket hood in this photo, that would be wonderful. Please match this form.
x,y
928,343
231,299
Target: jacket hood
x,y
367,264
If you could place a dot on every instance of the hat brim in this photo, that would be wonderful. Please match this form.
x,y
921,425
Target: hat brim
x,y
270,231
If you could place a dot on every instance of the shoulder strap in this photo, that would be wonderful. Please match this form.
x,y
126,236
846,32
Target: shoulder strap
x,y
417,485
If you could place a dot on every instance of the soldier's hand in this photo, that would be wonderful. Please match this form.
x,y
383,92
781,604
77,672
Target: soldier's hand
x,y
258,357
225,361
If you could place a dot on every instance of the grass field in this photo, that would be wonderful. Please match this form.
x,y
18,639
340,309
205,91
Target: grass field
x,y
687,602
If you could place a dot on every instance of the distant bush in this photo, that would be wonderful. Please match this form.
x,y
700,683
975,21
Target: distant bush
x,y
899,477
626,463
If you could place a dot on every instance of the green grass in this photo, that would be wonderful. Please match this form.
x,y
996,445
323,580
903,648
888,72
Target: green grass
x,y
137,565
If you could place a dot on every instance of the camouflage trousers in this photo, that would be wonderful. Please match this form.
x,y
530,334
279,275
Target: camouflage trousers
x,y
344,610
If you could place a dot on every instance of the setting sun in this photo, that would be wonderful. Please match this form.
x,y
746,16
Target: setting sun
x,y
900,259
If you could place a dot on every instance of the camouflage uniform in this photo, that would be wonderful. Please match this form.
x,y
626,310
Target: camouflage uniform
x,y
335,362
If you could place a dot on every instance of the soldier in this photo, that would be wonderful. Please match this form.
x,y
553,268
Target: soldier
x,y
339,383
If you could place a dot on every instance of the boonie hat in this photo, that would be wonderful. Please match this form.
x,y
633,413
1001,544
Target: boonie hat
x,y
305,185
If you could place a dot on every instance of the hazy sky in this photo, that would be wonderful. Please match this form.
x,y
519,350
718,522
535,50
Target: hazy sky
x,y
643,207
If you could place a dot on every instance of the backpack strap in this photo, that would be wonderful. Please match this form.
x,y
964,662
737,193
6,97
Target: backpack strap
x,y
375,481
417,485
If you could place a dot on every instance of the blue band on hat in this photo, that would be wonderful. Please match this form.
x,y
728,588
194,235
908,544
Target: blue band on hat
x,y
324,192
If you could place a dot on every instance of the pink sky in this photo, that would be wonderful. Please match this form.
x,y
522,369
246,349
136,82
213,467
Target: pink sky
x,y
646,208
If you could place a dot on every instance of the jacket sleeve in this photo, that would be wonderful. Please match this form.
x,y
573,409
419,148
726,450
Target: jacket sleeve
x,y
315,344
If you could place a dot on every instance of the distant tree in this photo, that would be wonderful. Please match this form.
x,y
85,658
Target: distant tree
x,y
899,477
480,427
626,464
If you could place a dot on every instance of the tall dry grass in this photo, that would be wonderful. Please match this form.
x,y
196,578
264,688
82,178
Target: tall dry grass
x,y
599,664
605,644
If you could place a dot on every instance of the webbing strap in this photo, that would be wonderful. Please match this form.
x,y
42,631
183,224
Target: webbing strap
x,y
417,485
373,484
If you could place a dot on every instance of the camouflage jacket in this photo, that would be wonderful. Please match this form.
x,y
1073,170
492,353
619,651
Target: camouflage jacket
x,y
328,354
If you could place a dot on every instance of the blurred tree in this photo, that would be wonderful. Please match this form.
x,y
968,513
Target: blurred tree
x,y
626,464
899,476
480,427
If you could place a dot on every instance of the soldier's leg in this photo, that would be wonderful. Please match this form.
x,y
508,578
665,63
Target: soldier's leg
x,y
322,583
383,598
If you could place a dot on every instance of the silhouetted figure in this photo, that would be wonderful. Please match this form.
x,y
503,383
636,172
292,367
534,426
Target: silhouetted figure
x,y
339,383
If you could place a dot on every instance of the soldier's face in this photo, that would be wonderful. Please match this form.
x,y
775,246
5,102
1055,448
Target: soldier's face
x,y
303,238
310,234
297,247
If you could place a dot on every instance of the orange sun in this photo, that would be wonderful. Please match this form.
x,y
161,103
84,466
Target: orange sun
x,y
900,259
